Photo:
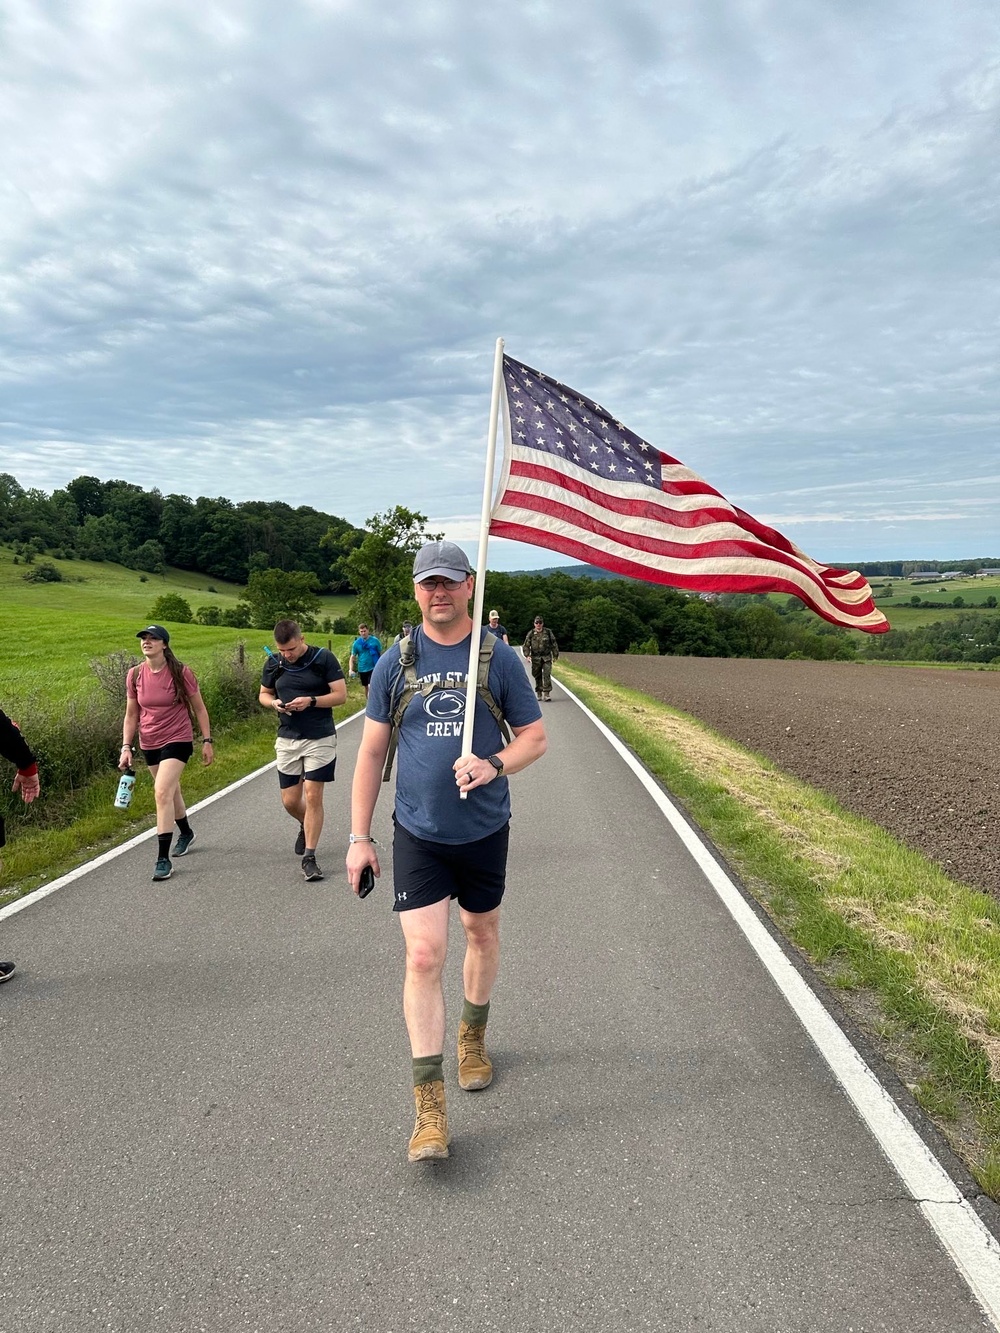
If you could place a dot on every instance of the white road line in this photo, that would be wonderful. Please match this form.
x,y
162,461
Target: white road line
x,y
962,1233
19,904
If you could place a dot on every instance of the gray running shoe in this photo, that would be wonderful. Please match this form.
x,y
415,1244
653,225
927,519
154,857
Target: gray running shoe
x,y
163,869
300,841
310,869
183,844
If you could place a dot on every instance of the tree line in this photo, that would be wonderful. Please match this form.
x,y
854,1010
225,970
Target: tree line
x,y
89,519
623,616
284,557
972,637
903,569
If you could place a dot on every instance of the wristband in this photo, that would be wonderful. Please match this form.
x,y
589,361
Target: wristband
x,y
313,698
206,740
361,837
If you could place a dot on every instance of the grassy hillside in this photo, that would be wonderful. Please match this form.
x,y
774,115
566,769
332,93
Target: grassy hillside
x,y
50,632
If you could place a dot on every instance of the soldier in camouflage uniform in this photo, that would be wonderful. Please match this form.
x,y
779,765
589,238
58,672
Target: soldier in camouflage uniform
x,y
540,645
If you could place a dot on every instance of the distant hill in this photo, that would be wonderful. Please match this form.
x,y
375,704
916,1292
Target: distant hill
x,y
574,572
871,568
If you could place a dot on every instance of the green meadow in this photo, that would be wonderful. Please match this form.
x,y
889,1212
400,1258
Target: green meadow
x,y
974,592
51,632
50,635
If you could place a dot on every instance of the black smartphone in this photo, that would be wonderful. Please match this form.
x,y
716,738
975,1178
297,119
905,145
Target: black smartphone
x,y
367,882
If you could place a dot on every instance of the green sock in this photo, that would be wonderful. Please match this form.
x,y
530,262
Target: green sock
x,y
427,1069
475,1014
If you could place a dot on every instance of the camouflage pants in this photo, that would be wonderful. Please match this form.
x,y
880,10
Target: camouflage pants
x,y
541,669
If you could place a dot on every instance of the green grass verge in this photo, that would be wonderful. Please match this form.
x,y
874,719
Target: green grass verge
x,y
915,956
87,824
51,631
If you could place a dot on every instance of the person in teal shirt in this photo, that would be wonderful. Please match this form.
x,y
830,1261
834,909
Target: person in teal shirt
x,y
365,652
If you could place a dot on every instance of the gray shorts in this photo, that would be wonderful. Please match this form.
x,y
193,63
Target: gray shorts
x,y
314,760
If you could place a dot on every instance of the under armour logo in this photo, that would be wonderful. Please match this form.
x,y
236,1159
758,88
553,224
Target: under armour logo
x,y
400,897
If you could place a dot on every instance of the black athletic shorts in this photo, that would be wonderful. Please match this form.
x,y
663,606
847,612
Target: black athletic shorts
x,y
365,677
174,750
425,872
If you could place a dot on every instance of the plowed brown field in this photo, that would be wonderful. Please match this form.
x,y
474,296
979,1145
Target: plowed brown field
x,y
914,750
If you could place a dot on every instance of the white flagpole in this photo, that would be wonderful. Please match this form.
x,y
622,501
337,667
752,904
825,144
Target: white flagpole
x,y
484,530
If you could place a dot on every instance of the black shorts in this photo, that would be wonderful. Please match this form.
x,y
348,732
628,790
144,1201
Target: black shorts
x,y
425,872
365,677
174,750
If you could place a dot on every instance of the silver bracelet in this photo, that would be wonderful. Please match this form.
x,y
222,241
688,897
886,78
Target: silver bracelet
x,y
361,837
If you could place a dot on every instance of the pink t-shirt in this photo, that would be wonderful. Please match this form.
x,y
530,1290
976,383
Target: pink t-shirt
x,y
161,718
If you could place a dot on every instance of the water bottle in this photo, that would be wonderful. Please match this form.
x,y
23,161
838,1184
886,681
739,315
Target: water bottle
x,y
123,798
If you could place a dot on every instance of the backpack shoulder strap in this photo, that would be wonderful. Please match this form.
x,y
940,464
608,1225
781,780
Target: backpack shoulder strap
x,y
486,647
410,687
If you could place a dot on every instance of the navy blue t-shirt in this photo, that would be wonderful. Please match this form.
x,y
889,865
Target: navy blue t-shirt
x,y
430,738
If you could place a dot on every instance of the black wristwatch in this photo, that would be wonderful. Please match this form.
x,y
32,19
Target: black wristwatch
x,y
497,763
313,698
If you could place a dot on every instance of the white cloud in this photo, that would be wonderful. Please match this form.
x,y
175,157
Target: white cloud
x,y
270,259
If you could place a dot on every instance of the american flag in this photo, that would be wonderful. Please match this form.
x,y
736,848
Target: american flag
x,y
578,481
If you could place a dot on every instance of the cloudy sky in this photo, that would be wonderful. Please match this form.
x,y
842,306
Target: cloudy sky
x,y
265,251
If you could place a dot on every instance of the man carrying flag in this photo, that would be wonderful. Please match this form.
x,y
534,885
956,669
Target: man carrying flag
x,y
444,847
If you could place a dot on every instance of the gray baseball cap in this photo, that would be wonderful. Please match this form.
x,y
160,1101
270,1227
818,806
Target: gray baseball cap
x,y
443,560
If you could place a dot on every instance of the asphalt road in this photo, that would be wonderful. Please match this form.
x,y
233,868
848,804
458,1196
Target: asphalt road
x,y
206,1100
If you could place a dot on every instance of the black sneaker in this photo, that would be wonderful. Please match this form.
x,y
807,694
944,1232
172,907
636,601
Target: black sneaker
x,y
6,971
310,869
163,869
183,844
300,841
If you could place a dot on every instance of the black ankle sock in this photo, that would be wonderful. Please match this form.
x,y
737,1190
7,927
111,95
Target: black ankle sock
x,y
164,841
184,826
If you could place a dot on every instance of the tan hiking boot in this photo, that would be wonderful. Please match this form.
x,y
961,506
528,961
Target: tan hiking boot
x,y
474,1067
430,1133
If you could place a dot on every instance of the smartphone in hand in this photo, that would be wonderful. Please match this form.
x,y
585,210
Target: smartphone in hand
x,y
366,882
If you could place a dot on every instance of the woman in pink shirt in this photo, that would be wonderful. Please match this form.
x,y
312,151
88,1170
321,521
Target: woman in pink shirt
x,y
162,697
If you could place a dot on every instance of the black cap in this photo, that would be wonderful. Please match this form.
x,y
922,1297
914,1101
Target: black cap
x,y
154,632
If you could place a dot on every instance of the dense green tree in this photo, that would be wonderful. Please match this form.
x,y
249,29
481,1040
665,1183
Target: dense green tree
x,y
381,566
87,493
596,626
148,556
102,538
171,607
274,594
764,632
